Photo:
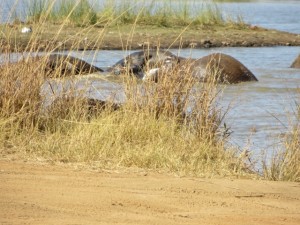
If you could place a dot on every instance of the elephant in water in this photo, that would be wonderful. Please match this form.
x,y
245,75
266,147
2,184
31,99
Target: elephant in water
x,y
296,63
225,68
68,65
57,65
139,62
147,64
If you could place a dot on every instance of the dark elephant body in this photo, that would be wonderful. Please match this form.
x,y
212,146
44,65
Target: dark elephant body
x,y
217,67
137,62
224,68
296,63
68,65
57,65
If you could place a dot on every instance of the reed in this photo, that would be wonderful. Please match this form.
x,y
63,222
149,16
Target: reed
x,y
284,163
78,12
157,13
133,136
164,14
20,87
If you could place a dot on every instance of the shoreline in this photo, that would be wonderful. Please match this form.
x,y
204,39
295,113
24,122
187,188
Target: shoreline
x,y
125,38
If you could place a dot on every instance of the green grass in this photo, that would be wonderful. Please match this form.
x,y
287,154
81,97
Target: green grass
x,y
163,14
78,12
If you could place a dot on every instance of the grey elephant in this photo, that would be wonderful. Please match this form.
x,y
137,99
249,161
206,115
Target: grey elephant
x,y
57,65
68,65
296,63
225,68
139,62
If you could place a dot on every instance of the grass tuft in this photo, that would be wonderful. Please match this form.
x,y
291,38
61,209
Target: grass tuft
x,y
162,14
78,12
284,164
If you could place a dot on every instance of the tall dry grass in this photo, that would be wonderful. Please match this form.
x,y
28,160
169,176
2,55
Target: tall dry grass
x,y
20,91
173,125
284,164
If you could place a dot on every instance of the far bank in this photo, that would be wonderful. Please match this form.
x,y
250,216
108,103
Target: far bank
x,y
53,37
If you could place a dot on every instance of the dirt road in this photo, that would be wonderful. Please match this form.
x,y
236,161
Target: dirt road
x,y
32,193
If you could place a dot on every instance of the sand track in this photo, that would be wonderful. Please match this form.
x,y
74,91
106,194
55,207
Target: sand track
x,y
32,193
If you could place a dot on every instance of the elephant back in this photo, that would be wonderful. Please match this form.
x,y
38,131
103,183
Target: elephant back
x,y
70,65
228,69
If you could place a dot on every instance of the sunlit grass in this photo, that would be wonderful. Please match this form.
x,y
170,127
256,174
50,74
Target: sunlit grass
x,y
78,12
284,164
158,13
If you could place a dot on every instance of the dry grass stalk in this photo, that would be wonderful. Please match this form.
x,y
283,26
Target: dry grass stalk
x,y
284,163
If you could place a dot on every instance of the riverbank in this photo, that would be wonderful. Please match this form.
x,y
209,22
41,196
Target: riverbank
x,y
40,193
49,37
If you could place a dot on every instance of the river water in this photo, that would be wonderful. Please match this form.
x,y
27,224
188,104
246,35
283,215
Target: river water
x,y
259,112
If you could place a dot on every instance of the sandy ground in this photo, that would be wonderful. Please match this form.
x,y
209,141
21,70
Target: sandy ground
x,y
32,193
